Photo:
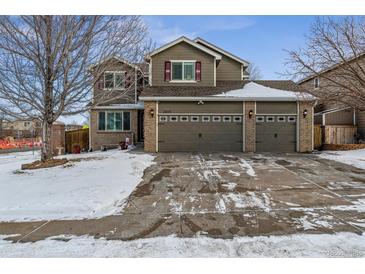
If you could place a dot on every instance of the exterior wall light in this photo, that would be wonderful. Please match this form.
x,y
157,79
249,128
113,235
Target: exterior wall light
x,y
250,113
152,112
305,113
200,102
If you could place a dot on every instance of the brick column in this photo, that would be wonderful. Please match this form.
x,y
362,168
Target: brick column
x,y
250,127
305,126
150,126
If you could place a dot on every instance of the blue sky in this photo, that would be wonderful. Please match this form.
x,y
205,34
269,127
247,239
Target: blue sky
x,y
258,39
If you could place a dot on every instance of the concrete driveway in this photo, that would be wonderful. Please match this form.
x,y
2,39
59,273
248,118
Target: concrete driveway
x,y
225,195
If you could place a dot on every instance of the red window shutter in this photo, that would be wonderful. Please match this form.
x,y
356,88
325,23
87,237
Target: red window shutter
x,y
167,71
198,71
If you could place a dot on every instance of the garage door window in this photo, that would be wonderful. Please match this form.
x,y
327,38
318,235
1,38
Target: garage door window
x,y
206,118
260,119
163,119
173,119
292,119
237,119
227,119
270,119
281,119
184,119
194,119
216,118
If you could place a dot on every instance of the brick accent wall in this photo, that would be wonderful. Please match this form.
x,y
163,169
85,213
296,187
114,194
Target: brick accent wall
x,y
250,127
99,138
305,127
150,130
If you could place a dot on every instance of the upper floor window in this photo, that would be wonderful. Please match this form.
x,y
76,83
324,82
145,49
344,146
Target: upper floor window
x,y
114,80
183,70
316,82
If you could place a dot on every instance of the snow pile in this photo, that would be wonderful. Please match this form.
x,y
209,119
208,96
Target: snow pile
x,y
93,185
355,158
298,245
254,90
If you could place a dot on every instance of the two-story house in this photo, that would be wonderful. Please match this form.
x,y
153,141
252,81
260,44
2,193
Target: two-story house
x,y
329,111
116,114
198,100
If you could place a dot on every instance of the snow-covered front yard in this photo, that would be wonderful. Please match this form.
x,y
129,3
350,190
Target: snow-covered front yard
x,y
298,245
351,157
93,185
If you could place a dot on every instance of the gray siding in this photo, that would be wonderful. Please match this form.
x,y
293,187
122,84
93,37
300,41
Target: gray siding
x,y
182,51
276,107
343,117
229,70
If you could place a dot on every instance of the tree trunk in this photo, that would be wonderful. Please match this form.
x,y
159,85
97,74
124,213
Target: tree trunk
x,y
46,141
48,95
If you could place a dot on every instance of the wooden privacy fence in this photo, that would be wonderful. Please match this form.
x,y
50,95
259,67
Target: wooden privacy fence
x,y
77,138
334,135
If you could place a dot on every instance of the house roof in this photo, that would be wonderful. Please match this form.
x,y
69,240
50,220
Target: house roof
x,y
329,68
220,50
247,90
117,59
190,42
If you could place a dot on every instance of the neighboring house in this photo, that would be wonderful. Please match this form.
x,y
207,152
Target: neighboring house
x,y
330,111
70,127
21,125
116,113
198,100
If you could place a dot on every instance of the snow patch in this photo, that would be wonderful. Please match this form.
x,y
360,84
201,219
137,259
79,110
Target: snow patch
x,y
355,158
343,244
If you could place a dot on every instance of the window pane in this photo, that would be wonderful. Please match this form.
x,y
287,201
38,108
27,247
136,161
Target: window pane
x,y
189,71
126,120
119,80
177,71
101,121
118,121
109,78
110,121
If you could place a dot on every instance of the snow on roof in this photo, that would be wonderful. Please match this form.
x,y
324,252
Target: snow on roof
x,y
257,91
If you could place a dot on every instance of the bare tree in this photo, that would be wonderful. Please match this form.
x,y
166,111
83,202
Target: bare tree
x,y
254,72
45,63
335,51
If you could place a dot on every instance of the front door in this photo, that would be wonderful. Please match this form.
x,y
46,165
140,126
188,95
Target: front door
x,y
141,126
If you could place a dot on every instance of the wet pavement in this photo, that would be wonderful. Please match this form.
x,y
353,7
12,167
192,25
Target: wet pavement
x,y
224,195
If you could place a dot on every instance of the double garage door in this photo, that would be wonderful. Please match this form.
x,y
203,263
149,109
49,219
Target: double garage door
x,y
219,126
189,126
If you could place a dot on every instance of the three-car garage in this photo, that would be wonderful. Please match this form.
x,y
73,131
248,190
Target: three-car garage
x,y
209,126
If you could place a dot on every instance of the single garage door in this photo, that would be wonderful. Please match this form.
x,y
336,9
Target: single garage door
x,y
275,133
188,126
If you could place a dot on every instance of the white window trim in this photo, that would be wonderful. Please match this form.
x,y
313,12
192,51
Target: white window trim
x,y
314,82
163,119
279,117
270,117
194,116
187,119
106,120
207,119
258,117
229,120
218,120
294,117
173,116
239,119
114,72
183,80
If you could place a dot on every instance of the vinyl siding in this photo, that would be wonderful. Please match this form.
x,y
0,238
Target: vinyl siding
x,y
229,70
193,107
343,117
182,51
276,107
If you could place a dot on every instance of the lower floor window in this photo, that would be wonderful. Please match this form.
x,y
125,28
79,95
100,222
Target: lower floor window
x,y
114,121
